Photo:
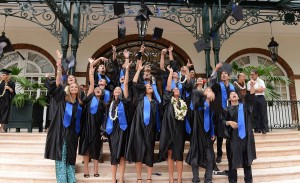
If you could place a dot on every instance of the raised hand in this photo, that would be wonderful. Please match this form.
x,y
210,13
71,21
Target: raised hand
x,y
92,70
164,51
126,53
128,65
140,67
218,66
170,48
169,68
252,82
142,49
91,60
58,54
58,61
114,48
103,59
189,64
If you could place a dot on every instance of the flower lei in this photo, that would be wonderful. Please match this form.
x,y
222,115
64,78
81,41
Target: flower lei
x,y
110,112
242,88
180,112
3,93
180,76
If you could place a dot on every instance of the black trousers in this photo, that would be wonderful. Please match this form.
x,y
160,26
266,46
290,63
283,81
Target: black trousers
x,y
219,146
260,113
209,167
232,175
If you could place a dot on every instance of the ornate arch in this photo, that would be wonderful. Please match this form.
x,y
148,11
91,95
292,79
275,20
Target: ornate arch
x,y
281,62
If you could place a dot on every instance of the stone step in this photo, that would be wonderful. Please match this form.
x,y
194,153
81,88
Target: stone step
x,y
44,165
259,175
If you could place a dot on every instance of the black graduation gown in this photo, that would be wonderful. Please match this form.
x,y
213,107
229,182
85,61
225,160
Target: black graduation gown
x,y
90,137
172,135
200,140
240,152
118,138
141,137
57,133
5,101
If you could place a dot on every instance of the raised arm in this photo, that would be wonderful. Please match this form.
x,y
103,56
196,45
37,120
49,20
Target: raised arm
x,y
99,59
58,65
213,76
126,93
187,73
114,52
162,59
91,77
126,58
138,71
170,49
169,82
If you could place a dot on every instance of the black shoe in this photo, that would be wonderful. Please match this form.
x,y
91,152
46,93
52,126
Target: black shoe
x,y
264,132
101,160
257,131
219,159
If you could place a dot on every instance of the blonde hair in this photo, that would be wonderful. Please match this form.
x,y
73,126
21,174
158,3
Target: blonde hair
x,y
69,97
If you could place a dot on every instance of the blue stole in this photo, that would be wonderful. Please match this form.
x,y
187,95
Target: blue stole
x,y
188,128
68,116
206,117
94,105
122,73
241,121
106,96
179,86
154,87
224,93
122,86
192,107
100,77
147,110
121,118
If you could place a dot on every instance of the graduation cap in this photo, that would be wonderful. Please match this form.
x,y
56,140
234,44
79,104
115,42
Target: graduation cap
x,y
121,28
226,68
201,44
145,12
69,62
5,71
5,45
157,33
174,65
237,12
119,9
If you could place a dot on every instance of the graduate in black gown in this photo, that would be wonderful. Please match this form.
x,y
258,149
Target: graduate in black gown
x,y
62,137
90,138
7,92
201,152
173,129
116,127
145,124
240,145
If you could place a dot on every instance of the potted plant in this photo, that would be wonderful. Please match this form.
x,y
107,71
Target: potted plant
x,y
27,108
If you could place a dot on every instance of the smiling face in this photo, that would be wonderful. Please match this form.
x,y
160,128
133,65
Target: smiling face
x,y
224,76
199,81
71,80
176,92
149,89
73,88
97,92
117,92
192,74
182,70
4,76
241,78
175,75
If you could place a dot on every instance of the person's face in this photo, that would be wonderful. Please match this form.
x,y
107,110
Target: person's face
x,y
242,78
233,97
175,75
224,76
147,76
117,91
81,87
101,68
192,74
207,90
182,70
176,92
253,75
71,79
73,88
102,83
147,68
149,89
199,81
97,92
4,76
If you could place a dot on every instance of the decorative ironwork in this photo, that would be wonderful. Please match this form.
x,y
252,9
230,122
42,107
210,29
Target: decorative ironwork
x,y
256,16
39,14
93,16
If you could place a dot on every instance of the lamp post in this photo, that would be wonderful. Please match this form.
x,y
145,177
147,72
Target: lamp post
x,y
273,48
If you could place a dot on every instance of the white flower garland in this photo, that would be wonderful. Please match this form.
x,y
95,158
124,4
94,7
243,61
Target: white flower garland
x,y
242,88
3,93
180,113
110,111
180,76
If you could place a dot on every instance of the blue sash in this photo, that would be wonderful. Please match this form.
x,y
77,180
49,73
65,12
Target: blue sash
x,y
154,87
100,77
241,122
94,105
106,96
224,93
122,73
68,116
121,118
187,126
122,86
147,110
192,107
206,117
157,118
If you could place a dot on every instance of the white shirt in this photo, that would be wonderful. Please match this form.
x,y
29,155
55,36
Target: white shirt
x,y
258,83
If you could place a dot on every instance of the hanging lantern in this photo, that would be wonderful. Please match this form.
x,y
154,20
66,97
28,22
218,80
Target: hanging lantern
x,y
273,48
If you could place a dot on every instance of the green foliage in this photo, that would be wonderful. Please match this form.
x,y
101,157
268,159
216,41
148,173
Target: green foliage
x,y
15,70
266,73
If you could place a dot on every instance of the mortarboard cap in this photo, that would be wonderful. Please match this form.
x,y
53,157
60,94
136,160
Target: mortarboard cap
x,y
119,9
121,28
201,44
145,12
237,12
69,62
174,65
226,68
157,33
5,71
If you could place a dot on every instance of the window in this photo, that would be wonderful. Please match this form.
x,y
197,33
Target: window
x,y
257,59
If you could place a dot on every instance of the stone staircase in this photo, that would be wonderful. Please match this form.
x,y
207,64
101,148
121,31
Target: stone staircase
x,y
21,161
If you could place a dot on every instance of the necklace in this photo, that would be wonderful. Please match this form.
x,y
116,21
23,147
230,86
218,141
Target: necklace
x,y
4,91
180,76
237,84
110,112
180,111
